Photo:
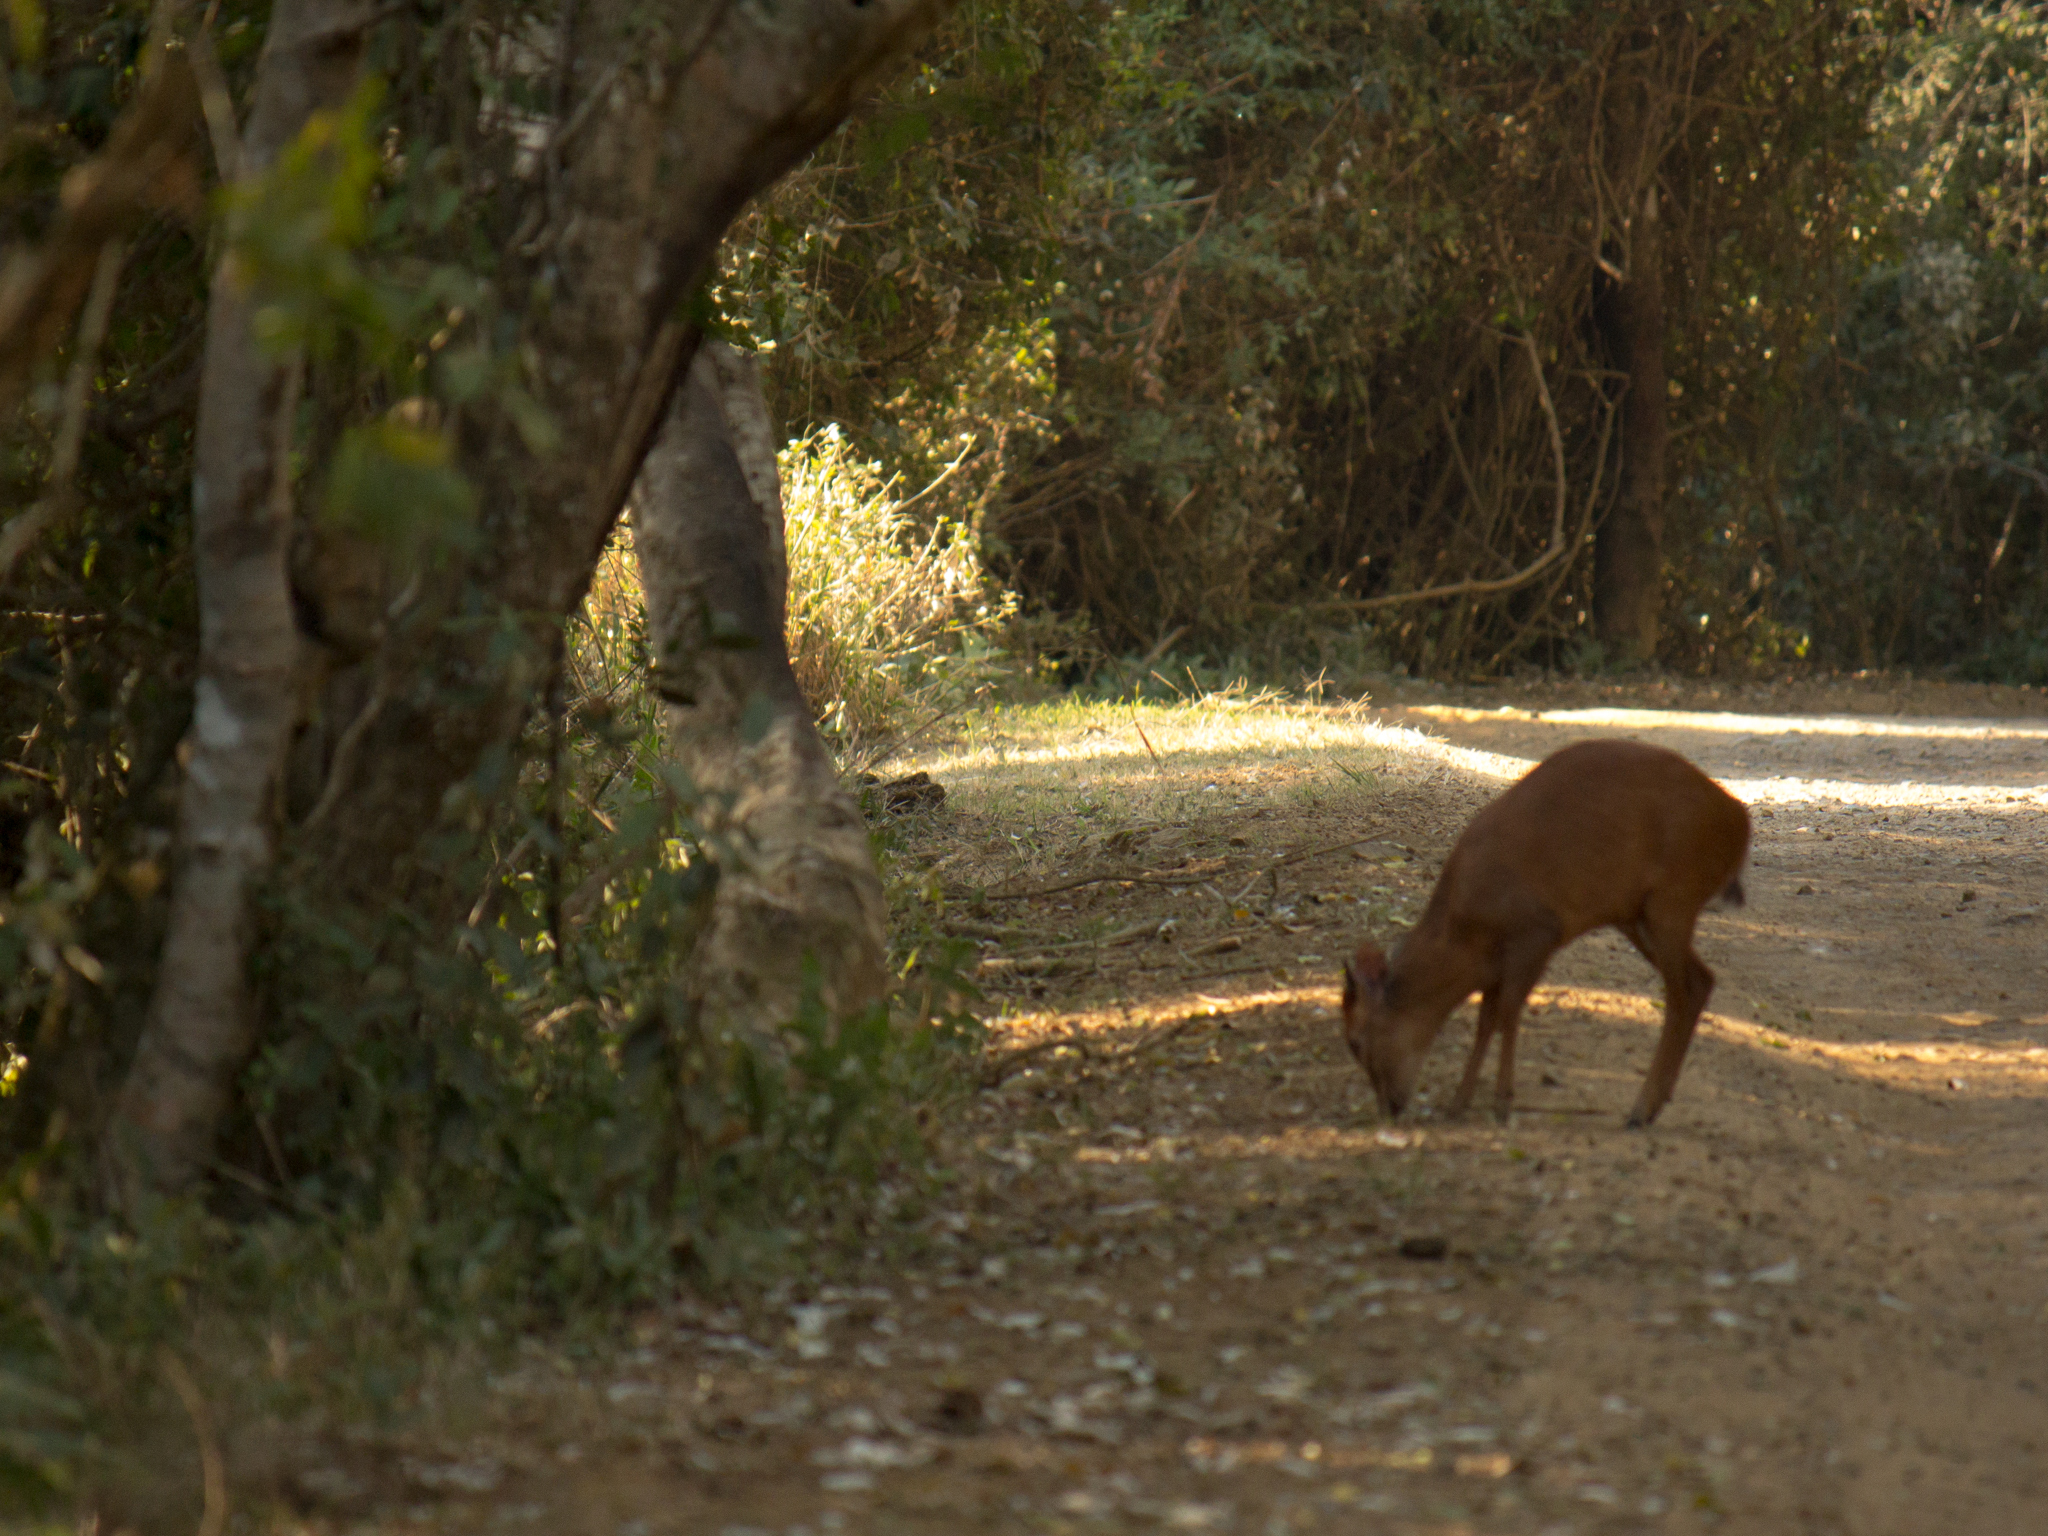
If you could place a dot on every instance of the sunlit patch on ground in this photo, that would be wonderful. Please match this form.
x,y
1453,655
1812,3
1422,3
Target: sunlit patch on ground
x,y
1732,746
1750,725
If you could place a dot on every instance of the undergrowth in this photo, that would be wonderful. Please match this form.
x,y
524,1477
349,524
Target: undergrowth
x,y
534,1131
566,1141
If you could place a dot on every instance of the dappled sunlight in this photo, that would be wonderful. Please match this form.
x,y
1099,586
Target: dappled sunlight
x,y
1151,741
1104,748
1173,1143
1972,1019
1307,1143
1897,763
2007,799
1814,937
1210,1005
1158,1018
1888,1044
1748,725
1160,1009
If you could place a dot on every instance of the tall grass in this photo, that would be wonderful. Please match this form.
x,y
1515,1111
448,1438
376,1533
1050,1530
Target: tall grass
x,y
884,616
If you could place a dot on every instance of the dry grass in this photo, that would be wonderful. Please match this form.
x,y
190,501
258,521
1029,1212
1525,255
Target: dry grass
x,y
878,608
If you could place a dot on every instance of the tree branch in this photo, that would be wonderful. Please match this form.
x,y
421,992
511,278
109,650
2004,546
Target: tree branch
x,y
61,494
150,162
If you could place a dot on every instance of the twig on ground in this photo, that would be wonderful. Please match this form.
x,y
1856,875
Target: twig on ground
x,y
960,928
1026,965
1147,740
1132,877
1318,853
1234,970
1162,1034
1128,935
1010,1062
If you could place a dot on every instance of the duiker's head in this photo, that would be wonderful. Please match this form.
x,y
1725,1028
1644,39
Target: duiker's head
x,y
1388,1042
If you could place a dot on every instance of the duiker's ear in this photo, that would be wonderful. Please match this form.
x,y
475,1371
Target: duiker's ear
x,y
1350,985
1366,975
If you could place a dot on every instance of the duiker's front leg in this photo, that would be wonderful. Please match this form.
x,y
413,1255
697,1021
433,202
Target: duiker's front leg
x,y
1469,1084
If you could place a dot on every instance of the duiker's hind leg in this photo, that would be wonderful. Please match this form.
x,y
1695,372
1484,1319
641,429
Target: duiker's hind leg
x,y
1665,939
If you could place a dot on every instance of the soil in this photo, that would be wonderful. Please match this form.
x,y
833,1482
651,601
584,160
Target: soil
x,y
1180,1277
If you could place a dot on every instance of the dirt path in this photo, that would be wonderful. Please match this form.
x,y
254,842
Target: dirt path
x,y
1166,1286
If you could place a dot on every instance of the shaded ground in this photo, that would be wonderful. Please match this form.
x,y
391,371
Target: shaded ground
x,y
1166,1289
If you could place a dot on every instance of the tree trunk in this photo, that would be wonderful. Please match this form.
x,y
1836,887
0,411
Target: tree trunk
x,y
1628,549
200,1028
679,126
707,526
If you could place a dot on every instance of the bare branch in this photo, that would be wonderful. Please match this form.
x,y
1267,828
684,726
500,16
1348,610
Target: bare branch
x,y
1559,546
150,162
213,1477
1196,876
217,104
61,494
944,475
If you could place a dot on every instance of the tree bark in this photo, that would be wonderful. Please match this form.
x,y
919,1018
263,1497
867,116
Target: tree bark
x,y
200,1028
708,530
1628,548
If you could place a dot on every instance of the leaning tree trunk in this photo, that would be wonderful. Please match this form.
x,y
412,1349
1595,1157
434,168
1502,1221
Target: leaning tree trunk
x,y
1628,549
681,117
201,1027
707,527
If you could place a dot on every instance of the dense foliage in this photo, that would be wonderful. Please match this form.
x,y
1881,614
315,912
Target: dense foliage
x,y
1224,299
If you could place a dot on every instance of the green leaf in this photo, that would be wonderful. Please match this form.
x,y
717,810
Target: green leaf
x,y
536,427
25,21
892,136
394,483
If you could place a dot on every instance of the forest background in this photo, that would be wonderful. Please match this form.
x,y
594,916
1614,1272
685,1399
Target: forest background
x,y
1227,301
1110,342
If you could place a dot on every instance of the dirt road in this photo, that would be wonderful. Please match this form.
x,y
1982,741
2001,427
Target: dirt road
x,y
1181,1279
